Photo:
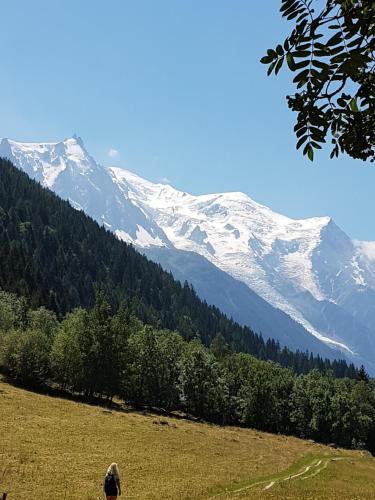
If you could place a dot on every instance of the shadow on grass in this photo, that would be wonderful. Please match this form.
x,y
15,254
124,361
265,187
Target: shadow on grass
x,y
108,405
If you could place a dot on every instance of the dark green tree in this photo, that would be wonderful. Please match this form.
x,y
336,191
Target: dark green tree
x,y
362,374
171,347
67,352
89,353
264,393
363,397
153,375
219,348
44,321
13,311
350,423
204,388
331,50
25,357
310,406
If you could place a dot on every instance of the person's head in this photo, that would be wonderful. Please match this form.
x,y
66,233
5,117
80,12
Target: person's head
x,y
113,469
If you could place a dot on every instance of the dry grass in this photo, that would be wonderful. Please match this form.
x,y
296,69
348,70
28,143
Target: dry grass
x,y
350,479
56,449
348,476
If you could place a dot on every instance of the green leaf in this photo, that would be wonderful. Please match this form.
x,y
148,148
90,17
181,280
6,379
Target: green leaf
x,y
295,13
321,53
301,53
353,105
290,61
303,46
291,8
334,40
280,50
301,76
320,64
336,50
318,75
354,42
270,68
266,60
278,65
301,17
287,4
301,141
301,64
301,131
339,58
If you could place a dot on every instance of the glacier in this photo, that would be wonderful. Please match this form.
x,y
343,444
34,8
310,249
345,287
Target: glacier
x,y
319,282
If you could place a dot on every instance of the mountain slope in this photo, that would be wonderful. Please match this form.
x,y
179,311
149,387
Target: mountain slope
x,y
94,189
235,299
68,169
309,269
56,256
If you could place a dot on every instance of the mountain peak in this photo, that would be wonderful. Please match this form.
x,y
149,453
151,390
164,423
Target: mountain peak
x,y
304,267
76,148
77,139
45,161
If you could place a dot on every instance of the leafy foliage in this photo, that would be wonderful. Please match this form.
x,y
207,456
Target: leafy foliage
x,y
26,356
331,50
203,386
97,353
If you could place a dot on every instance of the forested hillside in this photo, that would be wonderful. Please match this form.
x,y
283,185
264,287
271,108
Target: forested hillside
x,y
57,256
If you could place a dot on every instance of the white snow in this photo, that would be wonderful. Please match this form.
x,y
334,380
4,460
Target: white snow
x,y
236,233
48,160
145,239
358,272
269,252
122,235
279,258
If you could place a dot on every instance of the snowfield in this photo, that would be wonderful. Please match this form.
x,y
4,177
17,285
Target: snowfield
x,y
308,268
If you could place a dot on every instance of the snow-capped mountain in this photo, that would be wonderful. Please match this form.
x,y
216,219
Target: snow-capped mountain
x,y
68,169
309,269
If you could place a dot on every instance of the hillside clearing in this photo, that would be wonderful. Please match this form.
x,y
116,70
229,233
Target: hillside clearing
x,y
58,449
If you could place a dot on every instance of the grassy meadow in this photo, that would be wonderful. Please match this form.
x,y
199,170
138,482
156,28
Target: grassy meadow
x,y
54,449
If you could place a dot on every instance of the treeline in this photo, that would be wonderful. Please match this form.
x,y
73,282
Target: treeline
x,y
99,354
57,256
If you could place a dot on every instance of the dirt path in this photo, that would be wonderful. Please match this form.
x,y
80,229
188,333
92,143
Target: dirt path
x,y
317,466
306,472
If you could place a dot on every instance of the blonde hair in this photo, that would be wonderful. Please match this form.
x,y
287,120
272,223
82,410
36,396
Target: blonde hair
x,y
113,469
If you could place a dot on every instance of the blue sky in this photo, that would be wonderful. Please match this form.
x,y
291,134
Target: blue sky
x,y
176,89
